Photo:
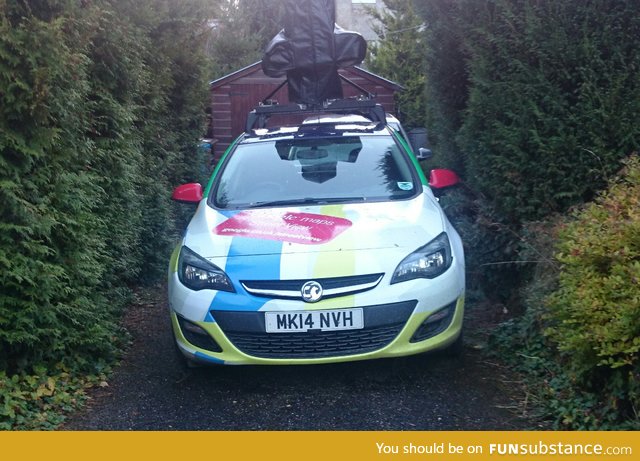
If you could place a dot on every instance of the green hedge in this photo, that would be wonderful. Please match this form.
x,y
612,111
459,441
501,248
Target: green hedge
x,y
535,103
402,41
102,105
540,98
49,280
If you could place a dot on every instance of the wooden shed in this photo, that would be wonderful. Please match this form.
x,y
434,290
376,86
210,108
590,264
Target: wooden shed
x,y
234,95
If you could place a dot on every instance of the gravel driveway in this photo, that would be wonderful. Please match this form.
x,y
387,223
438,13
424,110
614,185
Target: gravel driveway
x,y
150,390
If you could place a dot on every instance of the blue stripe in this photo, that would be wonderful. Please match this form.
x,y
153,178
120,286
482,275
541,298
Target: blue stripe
x,y
248,259
228,213
206,358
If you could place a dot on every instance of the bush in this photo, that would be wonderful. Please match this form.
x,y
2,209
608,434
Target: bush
x,y
577,341
594,315
491,247
42,399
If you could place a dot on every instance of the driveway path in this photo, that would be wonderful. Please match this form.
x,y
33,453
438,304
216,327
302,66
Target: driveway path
x,y
150,390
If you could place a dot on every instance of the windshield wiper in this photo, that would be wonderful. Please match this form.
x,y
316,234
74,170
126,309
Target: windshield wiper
x,y
341,199
295,201
305,201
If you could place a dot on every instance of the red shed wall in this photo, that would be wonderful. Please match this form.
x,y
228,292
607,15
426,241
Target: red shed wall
x,y
233,97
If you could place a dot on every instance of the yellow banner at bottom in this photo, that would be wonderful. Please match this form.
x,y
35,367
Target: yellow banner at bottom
x,y
325,446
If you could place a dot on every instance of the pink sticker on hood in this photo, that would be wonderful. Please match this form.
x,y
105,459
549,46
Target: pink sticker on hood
x,y
305,228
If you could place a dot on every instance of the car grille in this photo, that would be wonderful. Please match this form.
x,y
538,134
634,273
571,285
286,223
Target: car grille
x,y
382,323
333,286
315,344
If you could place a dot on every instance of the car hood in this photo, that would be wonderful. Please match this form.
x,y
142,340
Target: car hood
x,y
310,229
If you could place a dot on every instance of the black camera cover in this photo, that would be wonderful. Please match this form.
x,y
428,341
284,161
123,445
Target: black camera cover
x,y
310,50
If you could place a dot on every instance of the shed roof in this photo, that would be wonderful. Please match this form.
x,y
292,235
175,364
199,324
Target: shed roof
x,y
257,65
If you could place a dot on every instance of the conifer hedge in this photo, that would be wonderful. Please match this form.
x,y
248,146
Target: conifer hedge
x,y
102,104
539,97
402,42
536,104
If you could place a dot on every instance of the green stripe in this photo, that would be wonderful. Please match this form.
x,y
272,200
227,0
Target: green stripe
x,y
413,158
219,164
173,264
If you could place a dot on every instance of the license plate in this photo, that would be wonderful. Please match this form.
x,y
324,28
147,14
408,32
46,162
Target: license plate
x,y
302,321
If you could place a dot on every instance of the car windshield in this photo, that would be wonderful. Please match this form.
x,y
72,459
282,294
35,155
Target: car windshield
x,y
315,171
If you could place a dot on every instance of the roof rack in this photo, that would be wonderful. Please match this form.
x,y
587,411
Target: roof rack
x,y
364,105
368,108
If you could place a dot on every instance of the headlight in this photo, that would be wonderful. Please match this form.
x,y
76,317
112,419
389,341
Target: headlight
x,y
197,273
426,262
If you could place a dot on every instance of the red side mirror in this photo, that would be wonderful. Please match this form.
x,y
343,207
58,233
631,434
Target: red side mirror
x,y
188,193
441,178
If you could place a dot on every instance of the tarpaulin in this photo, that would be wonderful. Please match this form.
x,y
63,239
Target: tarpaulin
x,y
310,50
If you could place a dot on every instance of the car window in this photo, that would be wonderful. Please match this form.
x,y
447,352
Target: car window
x,y
316,170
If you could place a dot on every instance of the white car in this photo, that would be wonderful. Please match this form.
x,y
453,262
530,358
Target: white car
x,y
314,243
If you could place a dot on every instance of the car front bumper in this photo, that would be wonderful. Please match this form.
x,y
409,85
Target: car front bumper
x,y
231,350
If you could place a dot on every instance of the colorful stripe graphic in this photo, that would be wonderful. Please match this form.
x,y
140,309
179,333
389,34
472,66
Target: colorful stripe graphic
x,y
332,261
265,266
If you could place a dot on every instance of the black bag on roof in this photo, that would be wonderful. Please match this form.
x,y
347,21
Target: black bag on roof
x,y
310,50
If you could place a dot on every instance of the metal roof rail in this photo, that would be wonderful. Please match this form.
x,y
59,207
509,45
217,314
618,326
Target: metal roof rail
x,y
368,108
